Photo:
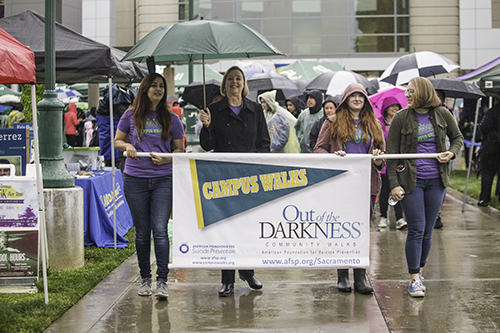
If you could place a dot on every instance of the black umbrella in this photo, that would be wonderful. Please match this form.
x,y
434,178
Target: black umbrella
x,y
457,89
193,92
78,58
424,64
262,82
334,83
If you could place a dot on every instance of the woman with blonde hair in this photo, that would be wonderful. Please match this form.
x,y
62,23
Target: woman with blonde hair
x,y
421,183
354,129
234,124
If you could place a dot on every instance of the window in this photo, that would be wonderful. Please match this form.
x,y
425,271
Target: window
x,y
317,27
2,8
381,26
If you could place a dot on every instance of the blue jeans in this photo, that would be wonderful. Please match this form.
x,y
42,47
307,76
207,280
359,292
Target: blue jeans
x,y
421,208
150,202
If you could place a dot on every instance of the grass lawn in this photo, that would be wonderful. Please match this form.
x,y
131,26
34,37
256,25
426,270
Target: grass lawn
x,y
458,179
28,312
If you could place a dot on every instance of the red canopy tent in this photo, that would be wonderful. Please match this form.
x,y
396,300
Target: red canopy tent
x,y
18,66
18,61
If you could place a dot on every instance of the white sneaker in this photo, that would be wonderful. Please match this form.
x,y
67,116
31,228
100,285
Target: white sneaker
x,y
382,223
401,223
420,276
415,289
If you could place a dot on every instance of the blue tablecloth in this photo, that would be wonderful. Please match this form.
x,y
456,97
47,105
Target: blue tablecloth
x,y
98,209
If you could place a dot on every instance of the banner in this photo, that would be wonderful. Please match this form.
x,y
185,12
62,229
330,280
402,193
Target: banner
x,y
19,232
276,211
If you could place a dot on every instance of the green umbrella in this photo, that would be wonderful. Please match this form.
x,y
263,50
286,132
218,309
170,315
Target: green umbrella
x,y
6,91
200,40
308,70
182,73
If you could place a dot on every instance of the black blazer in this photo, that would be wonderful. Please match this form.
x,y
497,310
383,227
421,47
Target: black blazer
x,y
228,132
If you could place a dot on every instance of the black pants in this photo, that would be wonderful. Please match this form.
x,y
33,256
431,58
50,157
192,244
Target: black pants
x,y
384,196
490,166
71,139
229,274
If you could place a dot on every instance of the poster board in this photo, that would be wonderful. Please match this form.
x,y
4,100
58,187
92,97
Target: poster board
x,y
19,233
15,147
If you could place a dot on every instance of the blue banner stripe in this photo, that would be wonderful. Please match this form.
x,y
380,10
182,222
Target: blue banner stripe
x,y
229,188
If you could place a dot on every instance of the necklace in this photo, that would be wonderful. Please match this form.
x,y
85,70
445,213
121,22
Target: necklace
x,y
358,133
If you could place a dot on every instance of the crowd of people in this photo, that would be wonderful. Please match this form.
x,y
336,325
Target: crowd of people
x,y
339,125
314,123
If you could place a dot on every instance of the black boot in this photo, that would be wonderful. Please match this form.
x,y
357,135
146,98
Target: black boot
x,y
360,283
343,280
226,289
252,281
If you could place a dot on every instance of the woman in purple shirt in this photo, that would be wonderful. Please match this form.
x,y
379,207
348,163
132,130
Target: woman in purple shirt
x,y
420,184
152,128
354,130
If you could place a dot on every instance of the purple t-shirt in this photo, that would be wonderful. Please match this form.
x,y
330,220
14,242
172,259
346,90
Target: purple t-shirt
x,y
427,168
358,144
236,109
150,142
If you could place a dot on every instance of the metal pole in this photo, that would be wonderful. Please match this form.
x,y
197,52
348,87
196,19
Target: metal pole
x,y
190,64
471,152
112,138
378,157
41,202
54,172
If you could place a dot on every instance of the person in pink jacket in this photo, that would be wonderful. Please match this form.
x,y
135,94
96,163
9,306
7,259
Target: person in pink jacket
x,y
390,106
354,129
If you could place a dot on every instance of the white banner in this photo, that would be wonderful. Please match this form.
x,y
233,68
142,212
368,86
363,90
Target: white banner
x,y
276,211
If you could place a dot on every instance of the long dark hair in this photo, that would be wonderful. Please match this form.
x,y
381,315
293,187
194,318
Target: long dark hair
x,y
142,105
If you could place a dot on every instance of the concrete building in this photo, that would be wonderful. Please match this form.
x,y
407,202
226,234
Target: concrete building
x,y
364,36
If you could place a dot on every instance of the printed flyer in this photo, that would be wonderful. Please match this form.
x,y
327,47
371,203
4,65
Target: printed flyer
x,y
276,211
18,203
18,254
19,232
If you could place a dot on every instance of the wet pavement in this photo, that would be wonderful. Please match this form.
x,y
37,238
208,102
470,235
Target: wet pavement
x,y
462,277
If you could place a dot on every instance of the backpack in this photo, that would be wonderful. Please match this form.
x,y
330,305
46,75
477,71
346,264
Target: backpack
x,y
94,142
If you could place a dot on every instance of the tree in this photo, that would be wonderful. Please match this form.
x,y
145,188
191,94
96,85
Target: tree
x,y
26,99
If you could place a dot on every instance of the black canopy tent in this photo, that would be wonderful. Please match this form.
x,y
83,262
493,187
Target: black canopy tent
x,y
490,84
78,58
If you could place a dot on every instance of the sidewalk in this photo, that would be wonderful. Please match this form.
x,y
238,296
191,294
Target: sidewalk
x,y
462,278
